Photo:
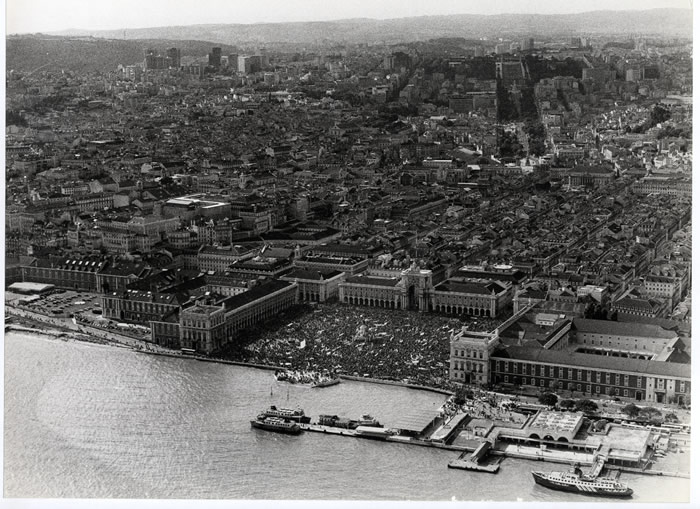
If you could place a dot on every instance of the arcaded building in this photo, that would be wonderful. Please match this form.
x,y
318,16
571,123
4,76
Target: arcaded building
x,y
584,358
413,288
206,327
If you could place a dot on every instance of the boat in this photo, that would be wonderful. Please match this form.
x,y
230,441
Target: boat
x,y
369,421
326,383
287,414
275,424
334,421
373,432
312,378
576,483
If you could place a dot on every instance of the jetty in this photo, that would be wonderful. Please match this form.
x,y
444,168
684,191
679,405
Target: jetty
x,y
479,461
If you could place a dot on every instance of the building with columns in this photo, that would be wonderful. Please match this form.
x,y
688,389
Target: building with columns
x,y
470,352
579,357
208,323
413,288
315,285
478,297
393,289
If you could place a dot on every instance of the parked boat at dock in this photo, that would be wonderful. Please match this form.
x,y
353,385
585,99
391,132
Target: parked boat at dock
x,y
576,483
288,414
276,424
326,383
307,378
342,422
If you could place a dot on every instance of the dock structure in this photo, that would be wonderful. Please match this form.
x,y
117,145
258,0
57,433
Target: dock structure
x,y
446,431
478,461
597,467
331,430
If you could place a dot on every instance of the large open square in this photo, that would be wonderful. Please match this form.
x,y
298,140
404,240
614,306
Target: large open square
x,y
377,343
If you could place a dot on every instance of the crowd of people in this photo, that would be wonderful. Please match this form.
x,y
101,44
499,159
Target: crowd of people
x,y
485,405
126,329
367,342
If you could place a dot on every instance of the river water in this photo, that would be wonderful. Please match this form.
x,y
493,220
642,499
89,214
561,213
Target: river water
x,y
86,421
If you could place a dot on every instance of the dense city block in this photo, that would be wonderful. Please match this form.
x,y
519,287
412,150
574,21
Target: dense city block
x,y
511,213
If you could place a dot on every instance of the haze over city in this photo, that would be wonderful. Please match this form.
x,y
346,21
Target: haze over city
x,y
397,251
30,16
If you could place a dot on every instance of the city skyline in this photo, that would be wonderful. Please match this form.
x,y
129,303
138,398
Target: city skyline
x,y
21,17
467,236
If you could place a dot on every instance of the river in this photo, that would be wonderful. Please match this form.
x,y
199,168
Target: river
x,y
92,421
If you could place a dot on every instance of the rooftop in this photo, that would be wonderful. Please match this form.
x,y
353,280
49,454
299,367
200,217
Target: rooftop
x,y
622,328
591,361
373,280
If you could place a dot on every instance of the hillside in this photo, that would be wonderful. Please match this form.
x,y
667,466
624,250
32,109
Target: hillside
x,y
27,53
669,22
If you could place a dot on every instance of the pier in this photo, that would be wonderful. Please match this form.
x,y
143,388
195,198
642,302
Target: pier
x,y
479,461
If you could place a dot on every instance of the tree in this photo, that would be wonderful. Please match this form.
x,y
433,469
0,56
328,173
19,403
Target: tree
x,y
462,395
567,404
548,399
656,420
659,114
671,417
631,410
586,406
650,413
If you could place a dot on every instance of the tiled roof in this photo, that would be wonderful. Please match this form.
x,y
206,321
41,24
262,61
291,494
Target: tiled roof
x,y
591,361
255,293
476,287
311,274
621,328
632,303
374,281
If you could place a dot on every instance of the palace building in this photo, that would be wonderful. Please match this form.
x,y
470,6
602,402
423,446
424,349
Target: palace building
x,y
413,288
208,323
551,352
315,285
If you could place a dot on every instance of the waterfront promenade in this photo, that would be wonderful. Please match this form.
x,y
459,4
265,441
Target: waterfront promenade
x,y
485,406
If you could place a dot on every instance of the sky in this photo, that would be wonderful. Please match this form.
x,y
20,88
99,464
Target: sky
x,y
31,16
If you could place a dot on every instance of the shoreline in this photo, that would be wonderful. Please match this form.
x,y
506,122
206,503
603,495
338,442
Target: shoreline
x,y
65,334
109,338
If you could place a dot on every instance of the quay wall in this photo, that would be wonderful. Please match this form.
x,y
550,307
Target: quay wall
x,y
394,382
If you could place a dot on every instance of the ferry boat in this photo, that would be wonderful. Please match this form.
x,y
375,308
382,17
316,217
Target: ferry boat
x,y
287,414
577,483
276,424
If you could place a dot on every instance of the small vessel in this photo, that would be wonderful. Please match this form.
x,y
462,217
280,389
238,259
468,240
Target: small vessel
x,y
342,422
575,482
368,420
312,378
326,383
287,414
373,432
276,424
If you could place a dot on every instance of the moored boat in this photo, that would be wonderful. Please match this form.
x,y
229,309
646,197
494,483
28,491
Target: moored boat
x,y
342,422
368,420
327,383
296,415
276,424
312,378
574,482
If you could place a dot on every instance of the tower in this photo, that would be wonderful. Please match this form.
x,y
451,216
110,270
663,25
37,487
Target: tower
x,y
215,58
174,57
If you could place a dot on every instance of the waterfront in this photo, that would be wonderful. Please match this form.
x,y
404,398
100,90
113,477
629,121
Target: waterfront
x,y
85,420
